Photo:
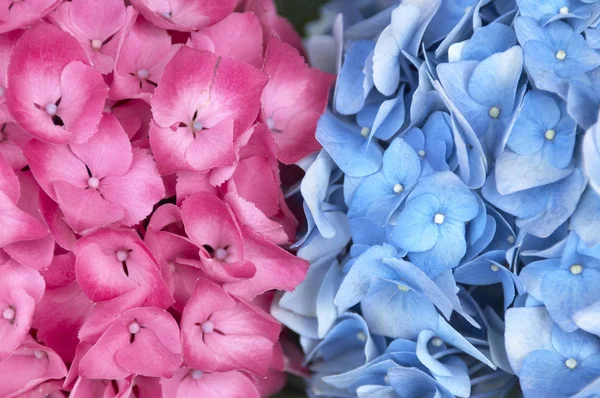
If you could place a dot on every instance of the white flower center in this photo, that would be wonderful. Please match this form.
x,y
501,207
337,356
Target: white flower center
x,y
550,134
122,255
576,269
564,10
494,268
208,327
93,182
437,342
361,336
398,188
421,153
197,374
51,109
494,112
96,44
133,327
403,288
561,55
142,74
571,363
386,379
197,126
166,14
365,131
39,354
221,254
8,313
438,218
510,239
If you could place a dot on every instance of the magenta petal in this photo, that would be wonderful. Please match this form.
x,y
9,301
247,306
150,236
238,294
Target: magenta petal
x,y
212,147
108,152
137,191
147,356
85,209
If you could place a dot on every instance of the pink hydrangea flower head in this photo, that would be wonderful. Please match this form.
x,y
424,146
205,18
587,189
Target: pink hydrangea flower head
x,y
293,100
184,15
20,289
142,54
27,367
100,182
210,224
201,105
112,262
95,25
192,383
19,14
52,93
239,36
143,341
221,333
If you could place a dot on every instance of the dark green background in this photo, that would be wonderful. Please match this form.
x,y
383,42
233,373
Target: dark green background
x,y
299,12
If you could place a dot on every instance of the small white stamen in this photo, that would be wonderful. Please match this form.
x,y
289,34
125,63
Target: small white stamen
x,y
208,327
564,10
93,182
439,218
437,342
571,363
270,123
51,109
221,254
494,268
494,112
166,14
510,239
403,288
142,74
133,327
550,134
398,188
122,255
39,354
197,374
361,336
386,379
365,131
197,126
561,55
421,153
576,269
96,44
8,313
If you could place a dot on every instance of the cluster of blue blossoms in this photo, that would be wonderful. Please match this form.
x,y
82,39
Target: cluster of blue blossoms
x,y
453,216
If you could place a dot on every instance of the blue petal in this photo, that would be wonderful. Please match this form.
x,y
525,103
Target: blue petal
x,y
415,229
583,103
577,344
488,40
401,164
349,91
413,383
390,117
347,147
586,218
534,273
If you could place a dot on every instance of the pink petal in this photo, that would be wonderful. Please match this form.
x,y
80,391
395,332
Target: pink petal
x,y
134,116
97,20
34,77
169,148
138,190
108,152
147,356
272,384
58,318
246,319
184,15
9,183
11,144
255,181
51,163
61,271
17,276
12,333
100,362
208,385
197,82
54,218
212,147
35,253
239,36
304,92
190,182
222,353
24,13
85,209
275,268
206,299
16,224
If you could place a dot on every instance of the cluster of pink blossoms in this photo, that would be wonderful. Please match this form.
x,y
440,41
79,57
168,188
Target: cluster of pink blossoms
x,y
140,200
